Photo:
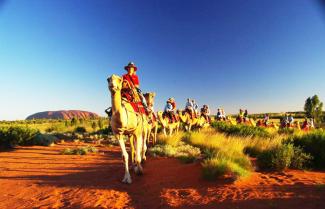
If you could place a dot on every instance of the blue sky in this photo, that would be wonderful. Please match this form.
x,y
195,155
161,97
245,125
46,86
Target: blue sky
x,y
264,56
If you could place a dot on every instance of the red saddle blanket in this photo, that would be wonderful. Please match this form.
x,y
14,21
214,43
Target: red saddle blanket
x,y
138,107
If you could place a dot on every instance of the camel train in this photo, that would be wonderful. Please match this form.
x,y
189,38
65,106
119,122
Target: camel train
x,y
132,116
140,128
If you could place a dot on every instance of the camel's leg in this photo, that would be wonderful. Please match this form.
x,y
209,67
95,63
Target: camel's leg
x,y
125,155
138,168
164,130
144,146
132,148
170,131
154,140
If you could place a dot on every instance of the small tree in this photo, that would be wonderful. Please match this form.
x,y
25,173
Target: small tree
x,y
94,125
100,123
74,121
313,108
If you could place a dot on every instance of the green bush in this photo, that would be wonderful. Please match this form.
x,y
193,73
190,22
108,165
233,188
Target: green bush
x,y
314,144
17,135
80,129
287,131
44,139
241,130
282,157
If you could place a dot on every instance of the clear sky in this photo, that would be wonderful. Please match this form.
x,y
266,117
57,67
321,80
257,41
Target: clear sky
x,y
266,56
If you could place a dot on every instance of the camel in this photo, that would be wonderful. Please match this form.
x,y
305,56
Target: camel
x,y
199,122
260,123
153,126
126,122
167,125
249,122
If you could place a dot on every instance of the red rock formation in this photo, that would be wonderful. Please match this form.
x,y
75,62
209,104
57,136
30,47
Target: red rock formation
x,y
63,114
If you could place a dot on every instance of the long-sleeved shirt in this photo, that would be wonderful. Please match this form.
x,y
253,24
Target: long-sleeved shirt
x,y
188,105
168,107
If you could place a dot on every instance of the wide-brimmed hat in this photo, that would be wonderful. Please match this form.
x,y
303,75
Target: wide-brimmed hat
x,y
131,64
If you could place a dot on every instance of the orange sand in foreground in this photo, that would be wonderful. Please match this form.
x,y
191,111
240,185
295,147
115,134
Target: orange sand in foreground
x,y
39,177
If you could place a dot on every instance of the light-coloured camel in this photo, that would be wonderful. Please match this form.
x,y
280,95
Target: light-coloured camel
x,y
152,120
189,122
126,122
167,125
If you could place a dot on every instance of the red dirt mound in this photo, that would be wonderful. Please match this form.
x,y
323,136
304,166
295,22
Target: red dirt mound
x,y
63,114
39,177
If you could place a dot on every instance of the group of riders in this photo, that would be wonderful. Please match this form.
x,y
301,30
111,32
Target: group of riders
x,y
132,93
191,108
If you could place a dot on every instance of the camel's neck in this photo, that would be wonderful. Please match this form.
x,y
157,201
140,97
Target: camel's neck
x,y
161,119
116,103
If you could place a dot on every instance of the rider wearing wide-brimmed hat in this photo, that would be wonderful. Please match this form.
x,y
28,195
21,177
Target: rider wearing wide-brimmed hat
x,y
130,89
169,109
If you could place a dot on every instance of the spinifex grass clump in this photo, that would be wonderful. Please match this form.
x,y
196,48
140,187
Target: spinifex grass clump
x,y
241,130
79,150
224,155
173,146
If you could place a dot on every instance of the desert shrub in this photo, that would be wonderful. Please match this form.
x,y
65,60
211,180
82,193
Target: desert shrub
x,y
106,131
44,139
282,157
300,160
17,135
224,155
80,129
79,150
286,131
312,143
219,167
173,140
241,130
255,146
185,152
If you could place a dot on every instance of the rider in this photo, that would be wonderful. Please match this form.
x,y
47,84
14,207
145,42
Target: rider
x,y
285,121
266,119
291,120
223,114
130,87
305,124
195,108
170,109
241,115
245,115
219,114
189,107
205,112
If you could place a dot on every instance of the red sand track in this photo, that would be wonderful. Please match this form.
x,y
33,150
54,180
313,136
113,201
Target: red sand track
x,y
39,177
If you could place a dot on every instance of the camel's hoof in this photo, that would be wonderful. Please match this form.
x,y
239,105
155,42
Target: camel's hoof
x,y
138,170
127,179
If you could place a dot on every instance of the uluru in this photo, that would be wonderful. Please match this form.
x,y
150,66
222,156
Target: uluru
x,y
63,114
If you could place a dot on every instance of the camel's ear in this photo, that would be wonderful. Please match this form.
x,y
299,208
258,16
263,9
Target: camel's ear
x,y
154,94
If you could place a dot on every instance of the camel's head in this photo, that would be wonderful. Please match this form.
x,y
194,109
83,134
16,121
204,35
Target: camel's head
x,y
150,96
114,83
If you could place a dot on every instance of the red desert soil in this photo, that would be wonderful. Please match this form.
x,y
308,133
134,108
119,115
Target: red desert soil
x,y
39,177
